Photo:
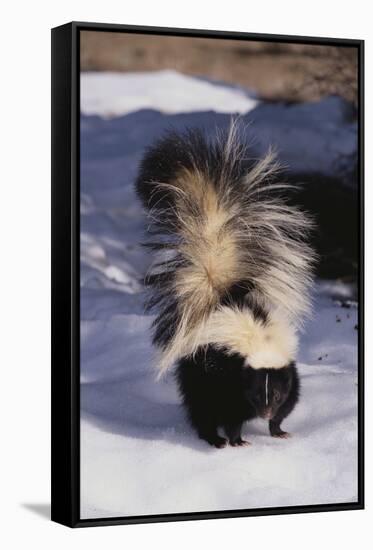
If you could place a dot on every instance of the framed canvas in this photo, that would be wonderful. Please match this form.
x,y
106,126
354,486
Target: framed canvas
x,y
207,274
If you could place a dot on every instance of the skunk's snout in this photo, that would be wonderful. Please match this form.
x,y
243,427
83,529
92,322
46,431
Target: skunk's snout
x,y
267,413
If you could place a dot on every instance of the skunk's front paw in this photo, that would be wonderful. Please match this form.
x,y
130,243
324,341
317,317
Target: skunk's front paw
x,y
220,442
281,434
239,443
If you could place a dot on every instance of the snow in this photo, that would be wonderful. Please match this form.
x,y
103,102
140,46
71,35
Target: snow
x,y
111,94
138,453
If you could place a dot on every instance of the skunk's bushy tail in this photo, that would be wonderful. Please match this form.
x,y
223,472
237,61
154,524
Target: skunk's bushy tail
x,y
225,230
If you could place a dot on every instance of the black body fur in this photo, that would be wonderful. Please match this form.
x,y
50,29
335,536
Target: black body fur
x,y
219,391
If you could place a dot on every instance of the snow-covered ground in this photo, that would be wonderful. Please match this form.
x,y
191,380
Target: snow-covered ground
x,y
112,94
138,453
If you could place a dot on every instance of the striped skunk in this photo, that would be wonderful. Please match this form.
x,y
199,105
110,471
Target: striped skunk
x,y
231,282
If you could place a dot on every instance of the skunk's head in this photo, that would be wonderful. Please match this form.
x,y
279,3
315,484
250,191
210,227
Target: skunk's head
x,y
267,389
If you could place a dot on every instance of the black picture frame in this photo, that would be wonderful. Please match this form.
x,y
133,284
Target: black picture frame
x,y
66,268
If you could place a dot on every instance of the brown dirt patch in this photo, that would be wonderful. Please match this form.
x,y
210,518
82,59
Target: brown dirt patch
x,y
290,72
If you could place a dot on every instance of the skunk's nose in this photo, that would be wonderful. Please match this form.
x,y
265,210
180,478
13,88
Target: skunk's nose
x,y
267,413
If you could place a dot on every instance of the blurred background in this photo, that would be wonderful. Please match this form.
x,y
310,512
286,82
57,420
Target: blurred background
x,y
288,72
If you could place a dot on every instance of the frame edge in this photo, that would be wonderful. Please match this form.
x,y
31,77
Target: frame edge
x,y
63,474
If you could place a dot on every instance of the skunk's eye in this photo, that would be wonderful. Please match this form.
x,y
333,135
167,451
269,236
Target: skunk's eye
x,y
276,395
